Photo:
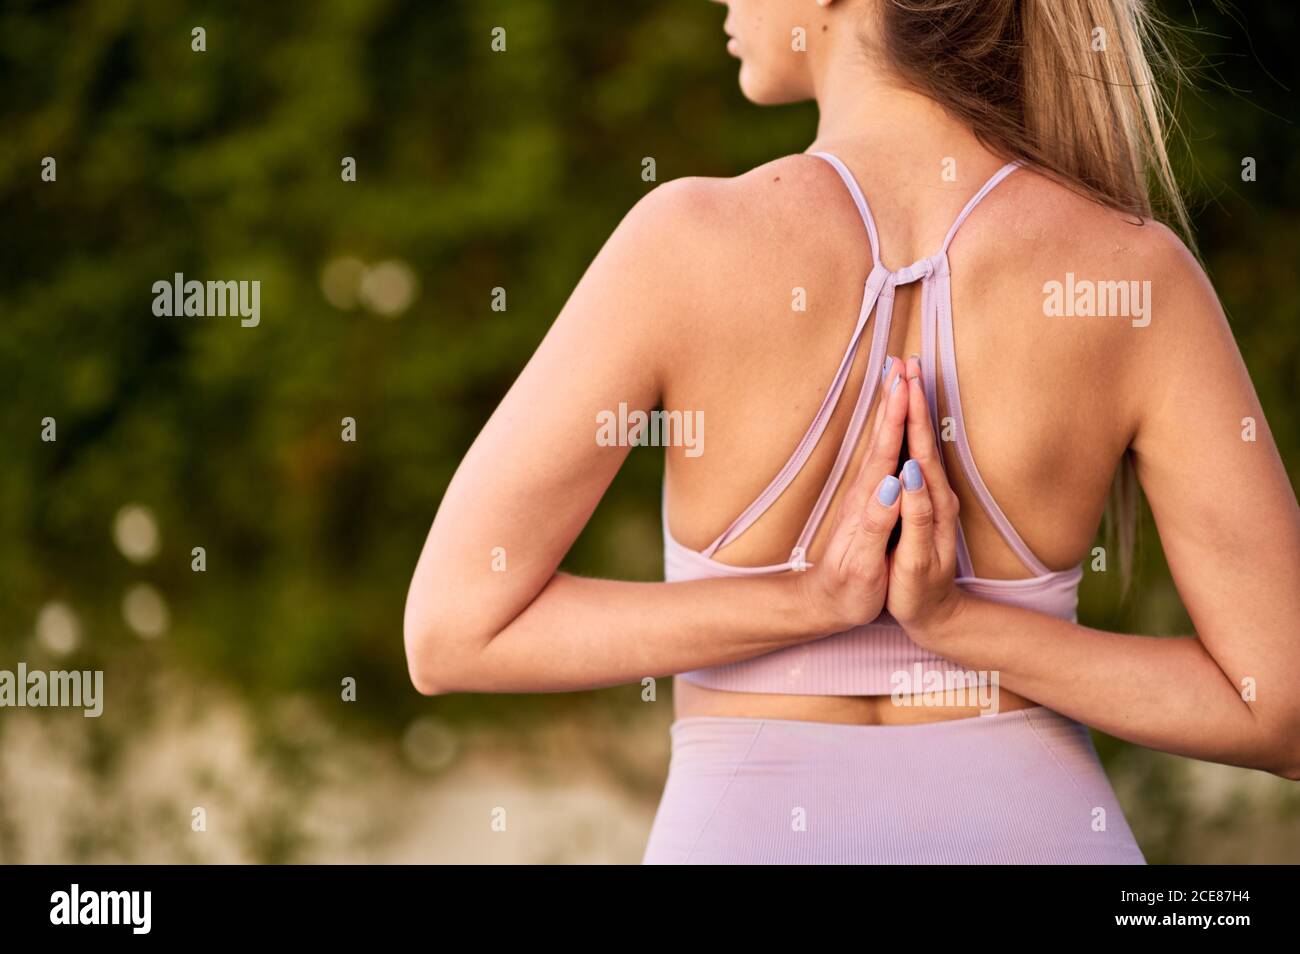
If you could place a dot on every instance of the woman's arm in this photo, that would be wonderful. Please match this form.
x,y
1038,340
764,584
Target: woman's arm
x,y
1230,528
487,610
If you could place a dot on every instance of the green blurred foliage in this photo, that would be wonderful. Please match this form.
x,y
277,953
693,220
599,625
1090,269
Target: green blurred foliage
x,y
476,168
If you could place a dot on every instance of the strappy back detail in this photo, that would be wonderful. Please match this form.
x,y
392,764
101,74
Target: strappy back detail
x,y
878,658
938,356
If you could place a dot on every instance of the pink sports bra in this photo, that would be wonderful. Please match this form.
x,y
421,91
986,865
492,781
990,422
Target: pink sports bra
x,y
865,660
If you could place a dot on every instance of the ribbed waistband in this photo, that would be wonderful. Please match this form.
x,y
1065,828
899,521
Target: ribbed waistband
x,y
877,659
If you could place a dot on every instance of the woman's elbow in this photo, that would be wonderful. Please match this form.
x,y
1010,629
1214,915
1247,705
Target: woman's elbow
x,y
436,663
424,677
1280,749
1289,767
419,663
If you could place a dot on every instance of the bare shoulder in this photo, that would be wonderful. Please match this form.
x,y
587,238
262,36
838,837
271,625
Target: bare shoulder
x,y
1100,273
731,248
1052,228
1110,308
776,201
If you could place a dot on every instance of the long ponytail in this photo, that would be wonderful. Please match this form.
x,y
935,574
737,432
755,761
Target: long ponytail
x,y
1072,87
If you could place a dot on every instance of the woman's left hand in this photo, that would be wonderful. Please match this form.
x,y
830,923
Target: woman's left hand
x,y
923,593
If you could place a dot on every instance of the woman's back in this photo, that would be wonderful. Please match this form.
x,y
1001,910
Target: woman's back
x,y
1048,393
1047,400
1056,337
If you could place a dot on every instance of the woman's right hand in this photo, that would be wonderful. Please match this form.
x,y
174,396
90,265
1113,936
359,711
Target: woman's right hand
x,y
846,586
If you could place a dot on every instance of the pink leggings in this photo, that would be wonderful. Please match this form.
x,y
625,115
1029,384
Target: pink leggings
x,y
1019,787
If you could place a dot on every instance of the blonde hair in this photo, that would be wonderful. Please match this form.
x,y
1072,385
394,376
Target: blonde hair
x,y
1069,87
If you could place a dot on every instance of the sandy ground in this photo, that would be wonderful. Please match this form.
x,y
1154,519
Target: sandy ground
x,y
198,785
198,782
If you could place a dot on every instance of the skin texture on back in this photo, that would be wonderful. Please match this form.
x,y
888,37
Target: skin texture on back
x,y
1049,401
691,305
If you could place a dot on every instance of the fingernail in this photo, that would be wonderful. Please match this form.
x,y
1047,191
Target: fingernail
x,y
912,475
888,492
884,372
894,387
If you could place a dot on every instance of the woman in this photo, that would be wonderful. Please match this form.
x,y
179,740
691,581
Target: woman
x,y
877,646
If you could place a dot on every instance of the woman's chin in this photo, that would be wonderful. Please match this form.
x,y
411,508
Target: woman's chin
x,y
762,92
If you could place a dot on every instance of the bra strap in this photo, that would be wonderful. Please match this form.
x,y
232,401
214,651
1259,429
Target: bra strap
x,y
975,200
859,200
875,281
872,384
952,394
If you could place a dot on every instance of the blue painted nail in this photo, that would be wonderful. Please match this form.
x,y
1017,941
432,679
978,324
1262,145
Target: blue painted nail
x,y
894,387
888,492
912,475
884,372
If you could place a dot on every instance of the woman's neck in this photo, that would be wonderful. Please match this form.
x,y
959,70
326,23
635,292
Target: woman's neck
x,y
862,106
